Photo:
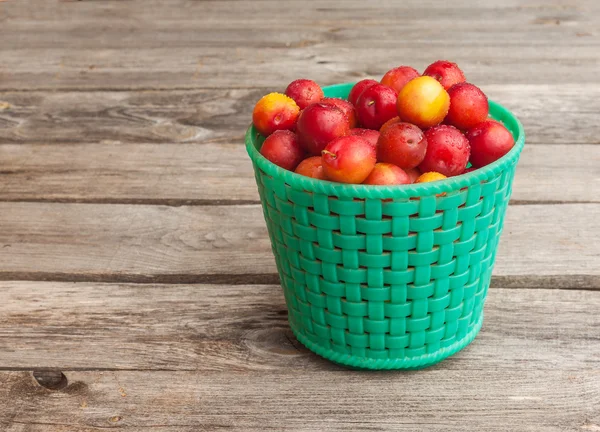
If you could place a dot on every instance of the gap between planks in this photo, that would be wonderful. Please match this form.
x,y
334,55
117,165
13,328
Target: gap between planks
x,y
580,282
169,202
132,89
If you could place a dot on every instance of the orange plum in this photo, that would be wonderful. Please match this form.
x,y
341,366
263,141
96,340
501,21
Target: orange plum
x,y
348,159
311,167
423,102
275,111
430,177
387,174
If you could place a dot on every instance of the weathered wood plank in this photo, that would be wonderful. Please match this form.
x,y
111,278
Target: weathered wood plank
x,y
156,243
434,400
167,68
232,363
72,117
158,15
243,328
564,114
222,173
186,44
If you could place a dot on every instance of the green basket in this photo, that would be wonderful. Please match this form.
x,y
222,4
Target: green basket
x,y
386,277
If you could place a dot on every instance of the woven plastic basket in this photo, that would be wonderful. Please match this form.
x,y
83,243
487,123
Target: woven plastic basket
x,y
386,277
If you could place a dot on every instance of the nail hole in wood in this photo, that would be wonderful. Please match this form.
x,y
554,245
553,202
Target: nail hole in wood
x,y
51,379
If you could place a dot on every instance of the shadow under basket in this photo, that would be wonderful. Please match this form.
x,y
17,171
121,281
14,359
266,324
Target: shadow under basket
x,y
386,277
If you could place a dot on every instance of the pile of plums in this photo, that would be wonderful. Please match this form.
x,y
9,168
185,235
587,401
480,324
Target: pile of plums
x,y
407,128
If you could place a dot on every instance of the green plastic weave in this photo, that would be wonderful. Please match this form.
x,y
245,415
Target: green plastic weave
x,y
386,277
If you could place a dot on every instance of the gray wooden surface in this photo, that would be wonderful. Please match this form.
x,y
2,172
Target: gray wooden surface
x,y
138,288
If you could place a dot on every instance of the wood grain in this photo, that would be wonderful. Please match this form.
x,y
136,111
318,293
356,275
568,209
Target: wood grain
x,y
433,400
187,44
206,352
243,328
157,243
197,116
564,114
218,173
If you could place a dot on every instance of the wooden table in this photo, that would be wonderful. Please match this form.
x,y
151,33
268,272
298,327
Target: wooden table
x,y
138,287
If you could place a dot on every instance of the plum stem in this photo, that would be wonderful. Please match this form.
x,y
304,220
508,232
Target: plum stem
x,y
327,152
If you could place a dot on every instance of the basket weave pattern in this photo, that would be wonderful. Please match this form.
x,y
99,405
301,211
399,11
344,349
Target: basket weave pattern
x,y
376,282
382,279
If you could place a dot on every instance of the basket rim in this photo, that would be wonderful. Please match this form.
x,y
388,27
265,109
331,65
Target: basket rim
x,y
497,112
